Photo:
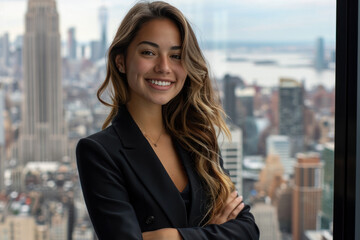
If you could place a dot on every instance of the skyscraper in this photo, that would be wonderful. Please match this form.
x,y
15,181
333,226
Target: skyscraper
x,y
103,18
2,139
71,43
18,51
280,146
244,108
291,113
245,102
328,190
2,108
307,193
229,100
320,54
267,221
95,50
232,155
43,135
6,49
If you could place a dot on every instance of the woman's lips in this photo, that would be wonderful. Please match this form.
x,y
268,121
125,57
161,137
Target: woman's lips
x,y
160,84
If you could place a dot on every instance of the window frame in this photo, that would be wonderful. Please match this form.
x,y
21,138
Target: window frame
x,y
346,193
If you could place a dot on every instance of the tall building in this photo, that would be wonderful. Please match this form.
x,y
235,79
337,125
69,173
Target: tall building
x,y
83,51
327,157
18,228
6,49
95,50
2,122
18,51
244,108
270,177
284,208
42,132
267,221
280,145
229,100
231,152
245,102
307,193
1,48
71,43
2,139
103,18
291,113
320,54
59,226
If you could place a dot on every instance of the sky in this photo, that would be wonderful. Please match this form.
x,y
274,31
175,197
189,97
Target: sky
x,y
213,20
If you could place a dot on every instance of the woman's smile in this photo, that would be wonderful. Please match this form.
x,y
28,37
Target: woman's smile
x,y
160,84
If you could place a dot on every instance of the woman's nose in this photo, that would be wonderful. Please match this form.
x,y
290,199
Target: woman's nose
x,y
162,65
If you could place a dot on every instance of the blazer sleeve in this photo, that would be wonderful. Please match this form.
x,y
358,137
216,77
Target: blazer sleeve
x,y
105,194
243,227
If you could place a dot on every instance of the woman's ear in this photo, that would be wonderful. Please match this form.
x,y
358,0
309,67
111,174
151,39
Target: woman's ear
x,y
120,63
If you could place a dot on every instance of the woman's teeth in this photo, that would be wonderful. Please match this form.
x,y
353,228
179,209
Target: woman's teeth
x,y
160,83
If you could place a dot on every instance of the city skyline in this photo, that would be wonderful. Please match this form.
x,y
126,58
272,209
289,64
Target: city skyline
x,y
256,101
255,21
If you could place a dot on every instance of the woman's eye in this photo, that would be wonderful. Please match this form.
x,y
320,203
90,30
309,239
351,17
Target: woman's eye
x,y
149,53
176,56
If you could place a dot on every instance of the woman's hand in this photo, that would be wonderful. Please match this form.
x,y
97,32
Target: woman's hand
x,y
231,209
162,234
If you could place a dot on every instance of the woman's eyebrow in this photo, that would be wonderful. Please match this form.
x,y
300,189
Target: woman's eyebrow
x,y
157,46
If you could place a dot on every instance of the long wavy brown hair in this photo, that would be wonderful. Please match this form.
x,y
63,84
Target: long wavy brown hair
x,y
194,117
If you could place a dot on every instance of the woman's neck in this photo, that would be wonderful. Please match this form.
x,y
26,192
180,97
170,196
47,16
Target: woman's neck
x,y
147,116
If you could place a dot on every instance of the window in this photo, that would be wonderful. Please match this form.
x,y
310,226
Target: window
x,y
347,154
274,63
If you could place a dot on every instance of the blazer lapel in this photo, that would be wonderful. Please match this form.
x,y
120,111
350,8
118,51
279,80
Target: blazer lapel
x,y
149,169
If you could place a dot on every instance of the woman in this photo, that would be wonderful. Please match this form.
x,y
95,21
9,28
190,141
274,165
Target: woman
x,y
155,172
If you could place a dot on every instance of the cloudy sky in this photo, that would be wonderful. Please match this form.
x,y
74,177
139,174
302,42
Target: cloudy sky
x,y
235,20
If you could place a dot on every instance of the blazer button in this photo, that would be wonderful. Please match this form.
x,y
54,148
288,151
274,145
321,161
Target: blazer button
x,y
150,220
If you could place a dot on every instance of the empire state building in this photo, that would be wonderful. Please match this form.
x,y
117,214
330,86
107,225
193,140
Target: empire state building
x,y
42,136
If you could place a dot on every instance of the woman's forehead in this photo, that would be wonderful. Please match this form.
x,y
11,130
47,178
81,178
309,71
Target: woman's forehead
x,y
160,32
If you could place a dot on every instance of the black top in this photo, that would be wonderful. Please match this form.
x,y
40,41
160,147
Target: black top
x,y
186,196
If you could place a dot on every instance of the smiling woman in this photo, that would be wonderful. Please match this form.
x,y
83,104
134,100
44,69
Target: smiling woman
x,y
156,171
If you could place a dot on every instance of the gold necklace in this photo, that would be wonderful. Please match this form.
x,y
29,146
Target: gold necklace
x,y
151,141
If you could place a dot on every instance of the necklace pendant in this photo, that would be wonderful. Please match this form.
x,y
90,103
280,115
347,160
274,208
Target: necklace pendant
x,y
155,145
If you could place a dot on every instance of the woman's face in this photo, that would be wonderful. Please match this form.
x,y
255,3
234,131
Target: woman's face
x,y
153,63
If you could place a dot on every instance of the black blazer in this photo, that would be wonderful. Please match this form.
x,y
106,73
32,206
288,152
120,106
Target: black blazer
x,y
127,190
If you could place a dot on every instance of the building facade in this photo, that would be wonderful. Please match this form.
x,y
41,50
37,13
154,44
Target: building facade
x,y
307,194
2,139
231,153
229,99
42,134
320,62
280,145
267,220
72,45
291,113
328,188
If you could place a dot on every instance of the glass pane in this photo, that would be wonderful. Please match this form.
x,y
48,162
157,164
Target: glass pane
x,y
273,65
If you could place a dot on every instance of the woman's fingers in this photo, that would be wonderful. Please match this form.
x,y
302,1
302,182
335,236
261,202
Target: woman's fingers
x,y
236,211
231,197
230,207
